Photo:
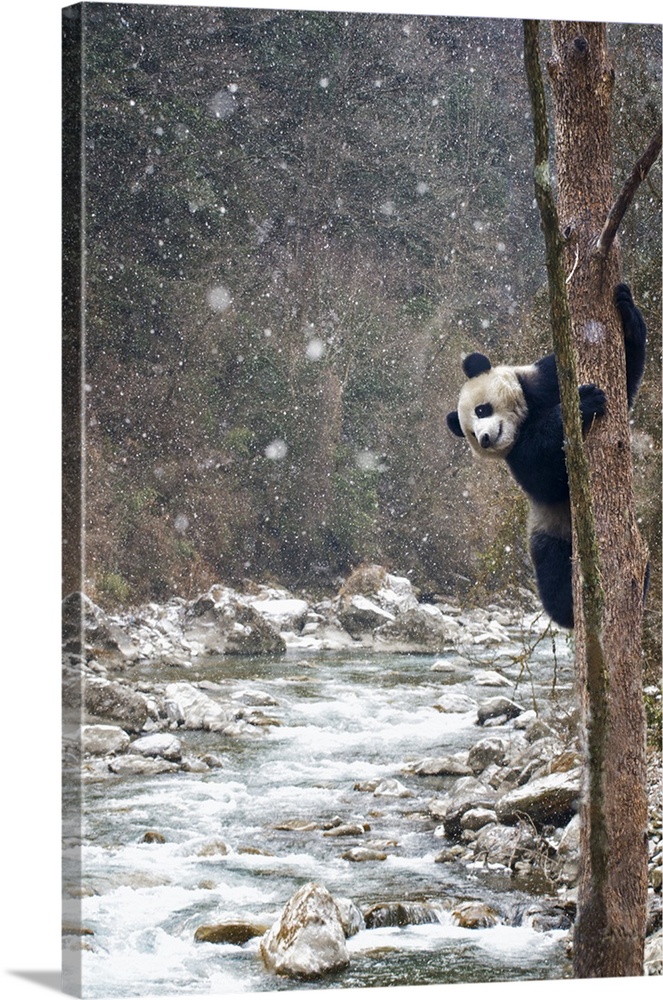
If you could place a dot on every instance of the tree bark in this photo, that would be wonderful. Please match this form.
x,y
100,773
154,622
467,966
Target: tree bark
x,y
609,555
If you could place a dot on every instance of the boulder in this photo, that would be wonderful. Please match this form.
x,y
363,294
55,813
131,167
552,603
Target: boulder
x,y
192,708
252,635
102,740
541,916
158,745
475,914
86,627
418,630
455,703
221,622
392,788
358,854
551,799
452,764
476,819
236,932
103,699
134,764
283,612
492,678
467,793
359,615
654,954
346,830
153,837
496,844
498,709
308,939
352,918
399,914
568,852
491,750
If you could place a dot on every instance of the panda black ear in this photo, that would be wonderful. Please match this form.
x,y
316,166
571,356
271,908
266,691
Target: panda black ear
x,y
475,364
453,423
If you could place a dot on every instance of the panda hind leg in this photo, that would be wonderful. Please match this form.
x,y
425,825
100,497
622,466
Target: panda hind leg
x,y
551,556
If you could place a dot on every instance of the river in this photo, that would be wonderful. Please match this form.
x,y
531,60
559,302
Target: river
x,y
345,722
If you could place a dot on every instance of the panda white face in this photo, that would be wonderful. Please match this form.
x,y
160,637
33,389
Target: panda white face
x,y
491,410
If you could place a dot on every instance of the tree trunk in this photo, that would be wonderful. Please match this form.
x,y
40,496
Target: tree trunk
x,y
610,929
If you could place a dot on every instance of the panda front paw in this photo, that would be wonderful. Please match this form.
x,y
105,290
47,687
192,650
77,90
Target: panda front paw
x,y
592,402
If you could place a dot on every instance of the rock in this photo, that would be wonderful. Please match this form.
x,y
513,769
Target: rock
x,y
392,788
193,709
496,844
654,954
568,852
452,764
296,825
419,630
492,678
359,615
491,750
368,578
308,939
535,729
498,708
212,849
346,830
133,764
284,613
543,916
450,703
222,622
467,793
158,745
654,912
474,915
86,627
193,765
475,819
230,932
399,915
254,699
153,837
252,635
527,761
364,854
351,916
551,799
102,740
456,666
104,699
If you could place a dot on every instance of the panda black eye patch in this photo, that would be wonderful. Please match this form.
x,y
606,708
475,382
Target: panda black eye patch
x,y
484,410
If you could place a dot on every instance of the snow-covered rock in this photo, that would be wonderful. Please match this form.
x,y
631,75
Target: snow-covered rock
x,y
308,940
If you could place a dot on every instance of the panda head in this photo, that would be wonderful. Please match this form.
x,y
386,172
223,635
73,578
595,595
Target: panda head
x,y
491,407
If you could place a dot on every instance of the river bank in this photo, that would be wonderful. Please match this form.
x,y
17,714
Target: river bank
x,y
417,762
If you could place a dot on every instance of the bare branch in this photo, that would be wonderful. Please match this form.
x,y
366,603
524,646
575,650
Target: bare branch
x,y
618,210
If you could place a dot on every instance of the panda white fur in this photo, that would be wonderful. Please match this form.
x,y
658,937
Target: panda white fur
x,y
513,413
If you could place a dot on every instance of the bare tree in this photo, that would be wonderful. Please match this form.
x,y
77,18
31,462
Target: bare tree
x,y
610,557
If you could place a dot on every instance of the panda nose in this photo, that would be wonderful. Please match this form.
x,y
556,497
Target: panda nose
x,y
485,440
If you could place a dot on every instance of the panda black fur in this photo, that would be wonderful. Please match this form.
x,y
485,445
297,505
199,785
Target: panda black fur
x,y
514,413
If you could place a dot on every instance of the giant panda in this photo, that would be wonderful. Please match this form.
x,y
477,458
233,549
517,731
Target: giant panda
x,y
513,413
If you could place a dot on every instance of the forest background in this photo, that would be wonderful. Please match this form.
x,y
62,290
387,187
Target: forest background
x,y
295,224
31,589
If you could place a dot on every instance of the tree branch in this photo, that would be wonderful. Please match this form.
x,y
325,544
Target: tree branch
x,y
631,185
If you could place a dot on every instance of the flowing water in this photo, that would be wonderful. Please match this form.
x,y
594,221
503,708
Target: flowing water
x,y
344,722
